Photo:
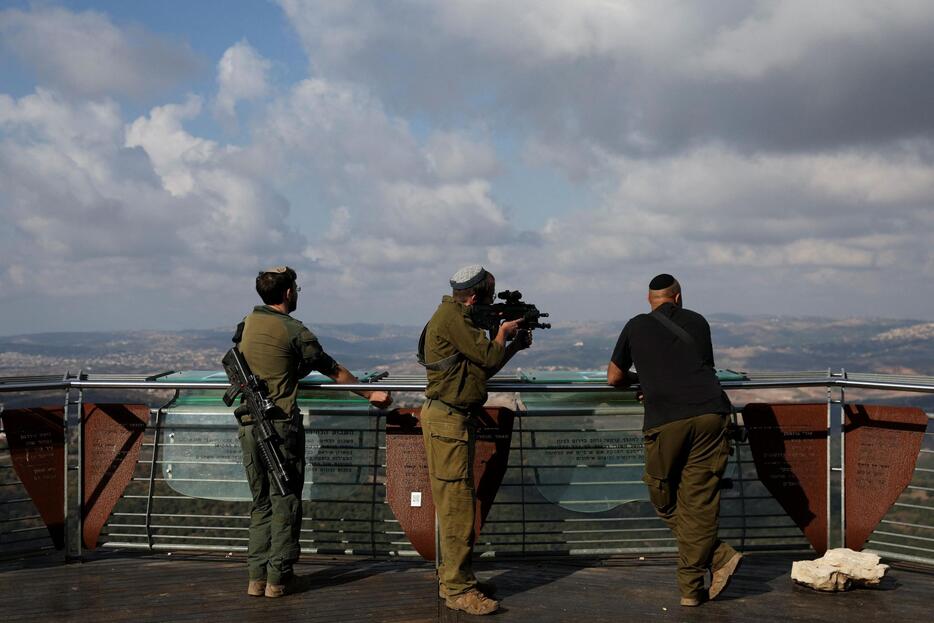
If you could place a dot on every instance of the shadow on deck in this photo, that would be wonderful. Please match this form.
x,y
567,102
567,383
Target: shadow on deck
x,y
184,587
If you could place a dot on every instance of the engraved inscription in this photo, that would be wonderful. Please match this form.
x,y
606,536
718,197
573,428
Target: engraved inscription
x,y
874,459
36,440
112,440
612,448
881,447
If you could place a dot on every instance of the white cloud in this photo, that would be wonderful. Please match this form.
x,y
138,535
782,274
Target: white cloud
x,y
82,193
241,75
689,140
394,205
88,55
443,214
779,35
639,78
170,148
455,157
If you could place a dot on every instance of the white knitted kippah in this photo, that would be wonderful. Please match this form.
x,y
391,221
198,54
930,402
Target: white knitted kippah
x,y
468,277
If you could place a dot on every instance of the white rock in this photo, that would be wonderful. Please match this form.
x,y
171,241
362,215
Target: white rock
x,y
838,570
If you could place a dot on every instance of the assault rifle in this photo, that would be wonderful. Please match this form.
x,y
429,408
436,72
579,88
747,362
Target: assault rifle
x,y
512,308
258,406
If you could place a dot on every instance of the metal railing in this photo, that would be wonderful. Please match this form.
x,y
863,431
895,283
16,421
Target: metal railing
x,y
544,506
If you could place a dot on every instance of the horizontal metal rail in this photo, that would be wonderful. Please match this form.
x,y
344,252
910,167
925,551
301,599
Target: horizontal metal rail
x,y
518,525
851,381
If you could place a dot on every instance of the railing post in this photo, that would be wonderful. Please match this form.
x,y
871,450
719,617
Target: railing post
x,y
522,479
843,460
79,503
74,465
375,483
66,461
835,462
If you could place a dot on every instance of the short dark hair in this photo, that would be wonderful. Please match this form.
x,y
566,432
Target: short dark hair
x,y
482,290
272,286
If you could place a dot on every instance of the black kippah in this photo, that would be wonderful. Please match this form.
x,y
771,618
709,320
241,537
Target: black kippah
x,y
660,282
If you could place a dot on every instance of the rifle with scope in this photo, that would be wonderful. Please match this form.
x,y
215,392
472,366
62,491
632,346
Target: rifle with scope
x,y
258,406
512,308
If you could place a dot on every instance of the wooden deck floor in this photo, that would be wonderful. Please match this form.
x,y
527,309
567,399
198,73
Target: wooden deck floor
x,y
179,587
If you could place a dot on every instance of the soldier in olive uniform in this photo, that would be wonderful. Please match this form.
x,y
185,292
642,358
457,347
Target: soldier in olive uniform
x,y
459,358
280,350
685,432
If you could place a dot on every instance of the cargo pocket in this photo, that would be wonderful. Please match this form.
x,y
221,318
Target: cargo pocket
x,y
448,454
655,476
253,477
245,446
723,459
660,494
723,455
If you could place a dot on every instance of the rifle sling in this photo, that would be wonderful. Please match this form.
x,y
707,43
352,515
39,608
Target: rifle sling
x,y
436,366
678,330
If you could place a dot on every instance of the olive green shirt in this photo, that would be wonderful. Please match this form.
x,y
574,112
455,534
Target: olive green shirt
x,y
451,331
281,351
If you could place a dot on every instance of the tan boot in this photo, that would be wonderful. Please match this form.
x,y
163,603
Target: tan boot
x,y
472,602
275,590
294,584
487,588
691,602
256,588
720,578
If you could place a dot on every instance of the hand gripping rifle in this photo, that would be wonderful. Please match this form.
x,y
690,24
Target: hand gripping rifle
x,y
512,308
257,404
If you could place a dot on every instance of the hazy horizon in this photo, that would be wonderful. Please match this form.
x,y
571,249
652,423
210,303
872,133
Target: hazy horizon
x,y
558,324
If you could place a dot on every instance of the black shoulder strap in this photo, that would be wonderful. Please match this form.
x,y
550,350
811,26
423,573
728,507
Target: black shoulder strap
x,y
436,366
677,329
238,334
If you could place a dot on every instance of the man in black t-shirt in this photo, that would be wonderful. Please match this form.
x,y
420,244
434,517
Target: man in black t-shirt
x,y
685,432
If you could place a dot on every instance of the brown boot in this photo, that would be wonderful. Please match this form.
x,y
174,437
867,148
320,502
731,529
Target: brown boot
x,y
256,588
720,578
472,602
691,602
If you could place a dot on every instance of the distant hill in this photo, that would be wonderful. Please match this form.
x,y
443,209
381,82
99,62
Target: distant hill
x,y
740,343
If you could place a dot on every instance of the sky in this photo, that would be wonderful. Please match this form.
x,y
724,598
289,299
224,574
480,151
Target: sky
x,y
777,157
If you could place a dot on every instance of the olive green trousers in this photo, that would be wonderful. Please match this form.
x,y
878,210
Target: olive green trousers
x,y
449,446
275,520
684,462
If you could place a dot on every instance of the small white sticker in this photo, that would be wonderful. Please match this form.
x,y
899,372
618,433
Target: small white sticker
x,y
416,498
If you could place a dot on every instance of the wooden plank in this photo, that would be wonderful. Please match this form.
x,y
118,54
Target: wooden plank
x,y
195,588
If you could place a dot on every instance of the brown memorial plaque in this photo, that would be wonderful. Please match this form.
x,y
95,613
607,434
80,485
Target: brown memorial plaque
x,y
789,448
882,445
36,438
408,490
113,435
